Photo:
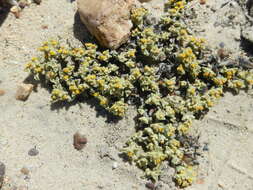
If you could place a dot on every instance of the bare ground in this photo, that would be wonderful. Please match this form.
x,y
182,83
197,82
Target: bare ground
x,y
227,129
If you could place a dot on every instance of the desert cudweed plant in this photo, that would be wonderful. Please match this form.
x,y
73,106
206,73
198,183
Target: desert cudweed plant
x,y
164,67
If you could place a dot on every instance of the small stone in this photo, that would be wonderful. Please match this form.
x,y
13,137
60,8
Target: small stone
x,y
205,148
2,92
79,141
33,152
37,1
202,2
2,173
23,92
200,181
25,171
22,4
195,162
114,165
222,45
150,185
103,151
222,53
44,26
16,11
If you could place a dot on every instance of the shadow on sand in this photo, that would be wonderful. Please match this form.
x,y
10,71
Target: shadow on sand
x,y
4,11
80,100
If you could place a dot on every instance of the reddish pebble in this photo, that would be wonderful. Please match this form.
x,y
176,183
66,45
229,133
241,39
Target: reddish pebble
x,y
79,141
2,92
202,2
44,26
200,181
222,53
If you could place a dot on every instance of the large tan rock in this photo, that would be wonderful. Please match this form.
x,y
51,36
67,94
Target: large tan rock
x,y
108,20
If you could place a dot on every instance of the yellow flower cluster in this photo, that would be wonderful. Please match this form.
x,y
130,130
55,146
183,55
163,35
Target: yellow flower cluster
x,y
185,175
137,16
119,108
189,62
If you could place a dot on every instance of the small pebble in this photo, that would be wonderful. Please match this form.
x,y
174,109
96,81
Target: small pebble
x,y
33,152
222,45
200,181
79,141
37,1
222,53
2,92
100,187
202,2
22,4
16,11
195,162
150,185
44,26
205,148
114,165
25,171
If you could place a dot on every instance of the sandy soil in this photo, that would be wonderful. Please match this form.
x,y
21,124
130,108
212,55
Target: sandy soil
x,y
227,130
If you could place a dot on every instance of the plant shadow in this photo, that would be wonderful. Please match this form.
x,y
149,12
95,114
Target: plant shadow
x,y
91,102
81,32
80,100
4,11
247,46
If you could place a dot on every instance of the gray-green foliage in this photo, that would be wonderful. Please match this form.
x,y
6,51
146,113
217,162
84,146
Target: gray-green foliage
x,y
163,68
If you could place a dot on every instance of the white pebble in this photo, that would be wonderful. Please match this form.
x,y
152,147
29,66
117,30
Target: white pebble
x,y
114,165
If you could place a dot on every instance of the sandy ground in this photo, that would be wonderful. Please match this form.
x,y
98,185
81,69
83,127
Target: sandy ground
x,y
227,129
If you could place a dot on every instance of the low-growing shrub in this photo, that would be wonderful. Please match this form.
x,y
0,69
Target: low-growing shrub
x,y
164,70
